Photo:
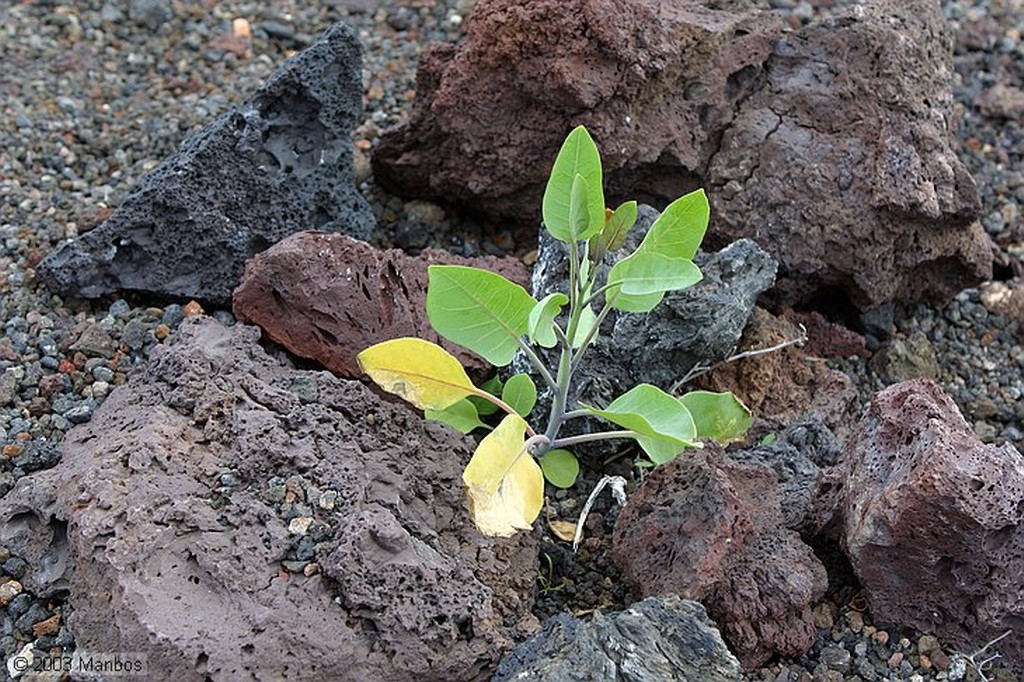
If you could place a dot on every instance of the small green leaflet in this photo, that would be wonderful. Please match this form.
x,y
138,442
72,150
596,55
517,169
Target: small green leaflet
x,y
680,229
588,319
483,406
613,236
643,273
579,217
560,468
541,323
478,309
664,425
520,393
718,416
578,156
461,416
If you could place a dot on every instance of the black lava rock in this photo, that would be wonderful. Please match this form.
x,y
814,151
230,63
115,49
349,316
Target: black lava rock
x,y
278,163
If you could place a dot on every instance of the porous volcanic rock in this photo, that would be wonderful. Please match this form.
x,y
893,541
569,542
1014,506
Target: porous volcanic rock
x,y
783,385
842,168
710,529
277,163
932,520
329,296
656,83
829,146
173,513
666,639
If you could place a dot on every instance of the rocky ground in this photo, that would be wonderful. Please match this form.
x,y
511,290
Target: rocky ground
x,y
96,94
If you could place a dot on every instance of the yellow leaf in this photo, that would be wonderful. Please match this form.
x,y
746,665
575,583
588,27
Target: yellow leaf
x,y
563,530
421,372
504,481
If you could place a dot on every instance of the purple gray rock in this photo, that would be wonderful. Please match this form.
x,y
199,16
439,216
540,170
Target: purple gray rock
x,y
278,163
707,528
842,167
932,520
230,517
660,639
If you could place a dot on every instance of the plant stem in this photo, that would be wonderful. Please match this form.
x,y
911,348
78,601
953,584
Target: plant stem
x,y
560,396
593,332
590,437
537,364
575,414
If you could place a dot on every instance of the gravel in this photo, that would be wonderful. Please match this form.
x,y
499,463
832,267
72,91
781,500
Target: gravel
x,y
95,94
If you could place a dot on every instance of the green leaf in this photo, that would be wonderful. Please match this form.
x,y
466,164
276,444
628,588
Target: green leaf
x,y
483,406
560,467
643,273
664,424
419,371
588,318
579,216
637,304
540,326
461,416
613,236
478,309
718,416
520,393
578,156
680,229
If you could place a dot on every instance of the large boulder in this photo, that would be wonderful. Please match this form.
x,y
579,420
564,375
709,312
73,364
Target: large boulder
x,y
229,517
666,639
656,83
707,528
329,296
829,146
932,520
841,165
279,162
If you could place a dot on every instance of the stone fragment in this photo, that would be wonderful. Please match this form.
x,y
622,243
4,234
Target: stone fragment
x,y
666,639
782,386
328,296
195,574
905,358
710,529
841,165
656,83
277,163
796,456
1001,101
932,520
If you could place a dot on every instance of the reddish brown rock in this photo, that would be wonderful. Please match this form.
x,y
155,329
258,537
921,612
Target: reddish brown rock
x,y
655,82
229,518
781,386
328,296
829,146
707,528
932,520
841,166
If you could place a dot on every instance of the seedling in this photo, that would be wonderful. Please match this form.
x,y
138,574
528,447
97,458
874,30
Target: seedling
x,y
496,319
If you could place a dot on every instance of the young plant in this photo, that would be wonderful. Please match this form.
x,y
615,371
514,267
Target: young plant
x,y
496,319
